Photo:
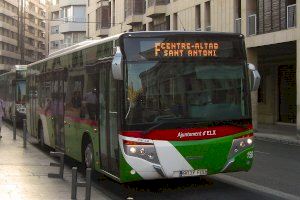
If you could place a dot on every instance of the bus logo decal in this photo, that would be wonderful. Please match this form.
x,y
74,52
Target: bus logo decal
x,y
197,134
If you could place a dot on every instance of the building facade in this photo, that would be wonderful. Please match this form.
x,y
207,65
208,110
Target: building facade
x,y
67,23
34,39
272,36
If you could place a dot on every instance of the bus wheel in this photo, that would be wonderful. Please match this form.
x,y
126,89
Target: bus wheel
x,y
41,135
88,155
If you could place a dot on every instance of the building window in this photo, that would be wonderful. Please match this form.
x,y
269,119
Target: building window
x,y
198,18
168,23
54,29
88,26
291,14
207,16
103,17
54,2
54,44
114,12
55,15
175,21
43,2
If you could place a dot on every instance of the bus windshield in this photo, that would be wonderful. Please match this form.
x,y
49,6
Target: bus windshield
x,y
20,91
203,91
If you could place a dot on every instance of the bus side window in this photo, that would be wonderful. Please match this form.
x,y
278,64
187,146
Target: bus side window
x,y
74,97
90,97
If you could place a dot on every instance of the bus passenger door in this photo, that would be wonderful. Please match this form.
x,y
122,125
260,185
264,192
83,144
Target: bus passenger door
x,y
109,148
58,109
32,101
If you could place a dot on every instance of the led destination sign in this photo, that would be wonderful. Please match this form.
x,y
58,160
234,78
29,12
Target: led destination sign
x,y
138,49
186,49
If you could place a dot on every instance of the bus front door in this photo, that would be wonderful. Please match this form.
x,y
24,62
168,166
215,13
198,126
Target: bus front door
x,y
108,96
58,109
33,103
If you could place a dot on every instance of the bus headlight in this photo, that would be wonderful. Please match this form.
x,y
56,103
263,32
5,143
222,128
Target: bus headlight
x,y
132,150
240,144
249,141
145,151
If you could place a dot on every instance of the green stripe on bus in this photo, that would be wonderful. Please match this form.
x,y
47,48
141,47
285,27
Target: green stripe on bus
x,y
207,154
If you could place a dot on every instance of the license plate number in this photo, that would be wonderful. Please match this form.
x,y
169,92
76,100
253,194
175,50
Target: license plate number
x,y
196,172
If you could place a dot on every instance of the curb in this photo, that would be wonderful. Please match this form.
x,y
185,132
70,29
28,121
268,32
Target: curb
x,y
277,138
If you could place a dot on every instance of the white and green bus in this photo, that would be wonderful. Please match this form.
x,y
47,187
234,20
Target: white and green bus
x,y
147,105
13,93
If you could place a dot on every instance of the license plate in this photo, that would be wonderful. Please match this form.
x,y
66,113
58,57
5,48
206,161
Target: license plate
x,y
196,172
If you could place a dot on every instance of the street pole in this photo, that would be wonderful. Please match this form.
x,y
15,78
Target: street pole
x,y
21,30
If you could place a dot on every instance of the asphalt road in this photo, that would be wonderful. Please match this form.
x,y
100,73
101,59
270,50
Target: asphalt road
x,y
189,188
276,166
275,175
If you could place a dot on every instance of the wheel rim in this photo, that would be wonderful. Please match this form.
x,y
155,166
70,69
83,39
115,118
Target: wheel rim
x,y
88,155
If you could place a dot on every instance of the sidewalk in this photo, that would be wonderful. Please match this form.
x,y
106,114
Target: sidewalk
x,y
277,133
24,173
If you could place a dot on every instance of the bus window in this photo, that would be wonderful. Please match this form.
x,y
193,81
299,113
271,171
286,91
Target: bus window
x,y
20,91
90,97
74,96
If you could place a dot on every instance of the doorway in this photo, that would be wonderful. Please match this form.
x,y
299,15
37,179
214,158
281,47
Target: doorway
x,y
109,126
57,107
287,94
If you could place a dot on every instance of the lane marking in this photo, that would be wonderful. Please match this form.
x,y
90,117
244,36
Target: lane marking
x,y
253,186
262,152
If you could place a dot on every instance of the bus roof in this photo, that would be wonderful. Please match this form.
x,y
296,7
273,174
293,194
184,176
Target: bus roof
x,y
20,67
184,33
76,47
91,43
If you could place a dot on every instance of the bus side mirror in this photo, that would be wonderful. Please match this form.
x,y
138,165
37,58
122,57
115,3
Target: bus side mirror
x,y
116,64
254,77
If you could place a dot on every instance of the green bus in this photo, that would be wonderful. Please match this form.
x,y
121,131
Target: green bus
x,y
147,105
13,93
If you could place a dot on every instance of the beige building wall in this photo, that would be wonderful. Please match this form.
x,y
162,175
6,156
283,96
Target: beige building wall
x,y
68,23
222,16
34,38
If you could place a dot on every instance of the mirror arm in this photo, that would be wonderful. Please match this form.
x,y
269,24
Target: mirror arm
x,y
117,70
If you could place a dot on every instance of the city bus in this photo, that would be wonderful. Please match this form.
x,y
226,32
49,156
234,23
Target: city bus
x,y
147,105
13,93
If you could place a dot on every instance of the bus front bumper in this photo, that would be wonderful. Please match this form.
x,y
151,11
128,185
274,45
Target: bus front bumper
x,y
175,159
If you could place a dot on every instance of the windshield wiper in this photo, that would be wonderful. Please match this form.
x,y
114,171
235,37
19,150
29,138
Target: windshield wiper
x,y
178,122
155,126
238,124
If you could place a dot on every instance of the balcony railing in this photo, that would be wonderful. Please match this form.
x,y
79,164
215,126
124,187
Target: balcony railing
x,y
238,25
73,19
134,7
157,2
251,24
291,16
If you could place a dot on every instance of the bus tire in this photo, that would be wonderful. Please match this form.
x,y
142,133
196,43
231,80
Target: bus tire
x,y
41,134
88,153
